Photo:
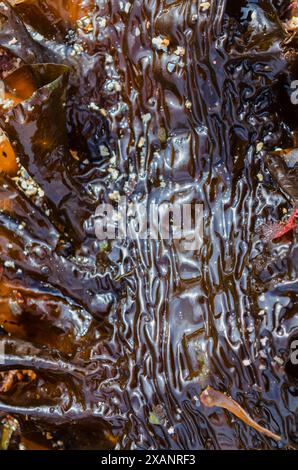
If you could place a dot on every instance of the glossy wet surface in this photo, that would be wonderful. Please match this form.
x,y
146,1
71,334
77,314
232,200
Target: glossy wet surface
x,y
165,101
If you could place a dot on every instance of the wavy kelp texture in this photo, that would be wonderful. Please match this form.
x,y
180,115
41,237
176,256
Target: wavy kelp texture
x,y
175,99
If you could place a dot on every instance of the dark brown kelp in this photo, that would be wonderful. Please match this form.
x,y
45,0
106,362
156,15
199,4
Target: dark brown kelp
x,y
156,101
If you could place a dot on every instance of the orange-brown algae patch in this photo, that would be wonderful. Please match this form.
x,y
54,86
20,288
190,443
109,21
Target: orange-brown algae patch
x,y
211,398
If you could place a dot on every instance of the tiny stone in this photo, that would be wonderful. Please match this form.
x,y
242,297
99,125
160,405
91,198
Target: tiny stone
x,y
279,360
13,41
114,196
104,151
160,43
170,67
260,146
162,135
246,362
263,341
260,177
141,142
205,6
102,23
180,51
127,7
9,264
146,118
94,106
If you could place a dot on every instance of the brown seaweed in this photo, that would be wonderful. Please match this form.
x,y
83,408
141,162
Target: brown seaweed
x,y
210,397
164,101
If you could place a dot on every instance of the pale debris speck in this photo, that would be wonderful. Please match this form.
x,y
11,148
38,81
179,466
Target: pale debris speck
x,y
115,196
292,23
94,106
102,22
3,137
246,362
114,173
113,160
77,49
146,118
263,354
113,85
141,142
263,341
9,264
204,6
160,43
260,177
180,51
170,67
13,41
109,59
85,24
260,146
104,151
6,104
31,190
279,360
127,7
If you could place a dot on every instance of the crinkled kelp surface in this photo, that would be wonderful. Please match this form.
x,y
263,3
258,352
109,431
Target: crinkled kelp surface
x,y
160,101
